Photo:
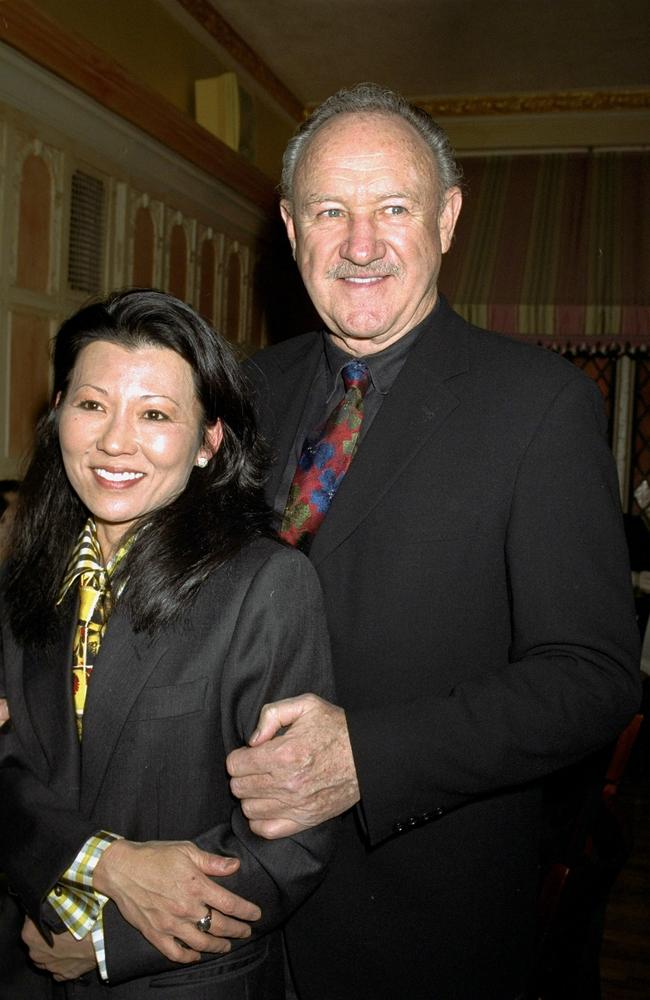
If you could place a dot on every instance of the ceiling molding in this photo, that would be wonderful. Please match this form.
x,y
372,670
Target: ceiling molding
x,y
72,58
545,103
211,21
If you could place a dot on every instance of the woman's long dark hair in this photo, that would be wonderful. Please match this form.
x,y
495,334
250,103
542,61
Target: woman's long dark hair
x,y
221,508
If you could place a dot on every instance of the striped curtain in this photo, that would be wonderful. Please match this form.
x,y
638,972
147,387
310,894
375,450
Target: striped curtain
x,y
555,247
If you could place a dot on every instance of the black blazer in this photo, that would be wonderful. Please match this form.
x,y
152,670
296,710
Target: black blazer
x,y
479,605
160,717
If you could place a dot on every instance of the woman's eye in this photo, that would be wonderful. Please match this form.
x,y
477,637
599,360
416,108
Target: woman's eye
x,y
155,415
89,404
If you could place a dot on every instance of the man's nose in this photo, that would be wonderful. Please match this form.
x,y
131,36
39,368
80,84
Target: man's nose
x,y
362,245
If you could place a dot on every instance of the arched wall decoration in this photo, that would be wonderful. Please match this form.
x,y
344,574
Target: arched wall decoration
x,y
233,294
29,375
142,208
256,325
178,253
144,248
34,257
207,278
179,242
34,225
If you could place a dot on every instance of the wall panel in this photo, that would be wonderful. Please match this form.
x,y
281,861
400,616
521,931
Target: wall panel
x,y
73,174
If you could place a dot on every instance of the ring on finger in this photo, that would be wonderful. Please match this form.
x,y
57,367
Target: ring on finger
x,y
205,923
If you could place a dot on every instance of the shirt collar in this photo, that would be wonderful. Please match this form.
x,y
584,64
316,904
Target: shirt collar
x,y
87,558
384,366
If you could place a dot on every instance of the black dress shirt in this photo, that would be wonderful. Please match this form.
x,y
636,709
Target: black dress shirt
x,y
327,390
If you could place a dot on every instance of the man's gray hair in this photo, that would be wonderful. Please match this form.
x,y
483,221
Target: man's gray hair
x,y
370,98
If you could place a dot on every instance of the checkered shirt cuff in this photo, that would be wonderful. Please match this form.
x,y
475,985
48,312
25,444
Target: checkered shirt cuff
x,y
73,898
97,938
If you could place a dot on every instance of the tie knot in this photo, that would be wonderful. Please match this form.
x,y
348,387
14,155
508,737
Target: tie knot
x,y
355,375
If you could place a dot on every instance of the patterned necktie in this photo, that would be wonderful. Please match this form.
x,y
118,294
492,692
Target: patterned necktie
x,y
95,605
324,461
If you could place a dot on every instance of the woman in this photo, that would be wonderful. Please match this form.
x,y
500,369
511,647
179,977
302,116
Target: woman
x,y
141,557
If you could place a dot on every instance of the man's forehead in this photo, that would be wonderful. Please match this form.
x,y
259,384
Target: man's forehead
x,y
372,129
365,142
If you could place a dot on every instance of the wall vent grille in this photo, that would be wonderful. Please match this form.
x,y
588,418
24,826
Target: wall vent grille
x,y
87,224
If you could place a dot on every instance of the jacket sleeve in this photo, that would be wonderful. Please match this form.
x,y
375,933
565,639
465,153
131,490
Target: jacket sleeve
x,y
279,648
569,681
32,853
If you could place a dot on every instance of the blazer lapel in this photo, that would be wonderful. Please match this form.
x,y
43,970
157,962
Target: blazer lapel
x,y
414,410
124,664
291,387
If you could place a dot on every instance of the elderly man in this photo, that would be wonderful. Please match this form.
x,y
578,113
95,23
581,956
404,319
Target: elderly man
x,y
455,492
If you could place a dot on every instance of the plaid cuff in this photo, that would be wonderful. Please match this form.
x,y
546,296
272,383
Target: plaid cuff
x,y
97,938
73,898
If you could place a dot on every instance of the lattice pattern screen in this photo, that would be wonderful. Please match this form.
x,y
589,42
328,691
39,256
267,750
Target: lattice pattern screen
x,y
641,427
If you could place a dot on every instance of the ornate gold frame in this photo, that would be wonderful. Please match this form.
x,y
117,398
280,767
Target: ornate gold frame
x,y
547,103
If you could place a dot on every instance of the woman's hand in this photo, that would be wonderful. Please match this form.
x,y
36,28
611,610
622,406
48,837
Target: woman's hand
x,y
67,958
4,711
163,888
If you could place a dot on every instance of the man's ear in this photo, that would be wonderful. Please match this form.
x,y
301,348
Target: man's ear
x,y
212,442
287,218
452,203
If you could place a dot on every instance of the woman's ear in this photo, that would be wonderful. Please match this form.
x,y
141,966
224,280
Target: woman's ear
x,y
211,443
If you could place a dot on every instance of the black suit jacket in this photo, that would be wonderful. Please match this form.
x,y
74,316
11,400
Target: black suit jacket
x,y
160,717
478,600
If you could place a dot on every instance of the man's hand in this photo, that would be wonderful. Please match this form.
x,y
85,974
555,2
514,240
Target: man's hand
x,y
66,959
298,779
4,711
162,888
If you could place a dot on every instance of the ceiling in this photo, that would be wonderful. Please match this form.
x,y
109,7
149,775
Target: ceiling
x,y
433,48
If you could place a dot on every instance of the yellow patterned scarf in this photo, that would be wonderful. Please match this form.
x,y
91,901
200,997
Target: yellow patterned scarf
x,y
95,605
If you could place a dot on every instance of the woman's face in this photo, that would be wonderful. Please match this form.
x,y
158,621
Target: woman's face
x,y
130,433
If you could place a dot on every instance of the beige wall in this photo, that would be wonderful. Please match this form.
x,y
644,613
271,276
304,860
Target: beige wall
x,y
161,54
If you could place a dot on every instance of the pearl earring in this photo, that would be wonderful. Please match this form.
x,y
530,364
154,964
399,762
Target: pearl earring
x,y
202,462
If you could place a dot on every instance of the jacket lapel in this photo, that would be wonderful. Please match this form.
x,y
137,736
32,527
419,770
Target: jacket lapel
x,y
291,386
124,664
414,410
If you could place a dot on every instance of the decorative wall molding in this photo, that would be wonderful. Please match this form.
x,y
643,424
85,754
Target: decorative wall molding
x,y
211,21
545,103
71,57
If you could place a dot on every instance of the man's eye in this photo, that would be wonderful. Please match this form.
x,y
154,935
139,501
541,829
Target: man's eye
x,y
395,210
331,213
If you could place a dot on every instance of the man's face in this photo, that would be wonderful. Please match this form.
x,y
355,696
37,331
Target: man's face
x,y
368,229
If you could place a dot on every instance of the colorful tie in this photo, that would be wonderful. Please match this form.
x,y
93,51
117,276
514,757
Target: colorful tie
x,y
324,461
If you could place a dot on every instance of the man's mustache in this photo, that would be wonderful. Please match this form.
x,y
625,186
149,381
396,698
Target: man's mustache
x,y
374,270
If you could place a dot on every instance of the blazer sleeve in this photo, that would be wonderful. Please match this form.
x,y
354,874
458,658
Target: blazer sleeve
x,y
569,682
32,853
279,648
